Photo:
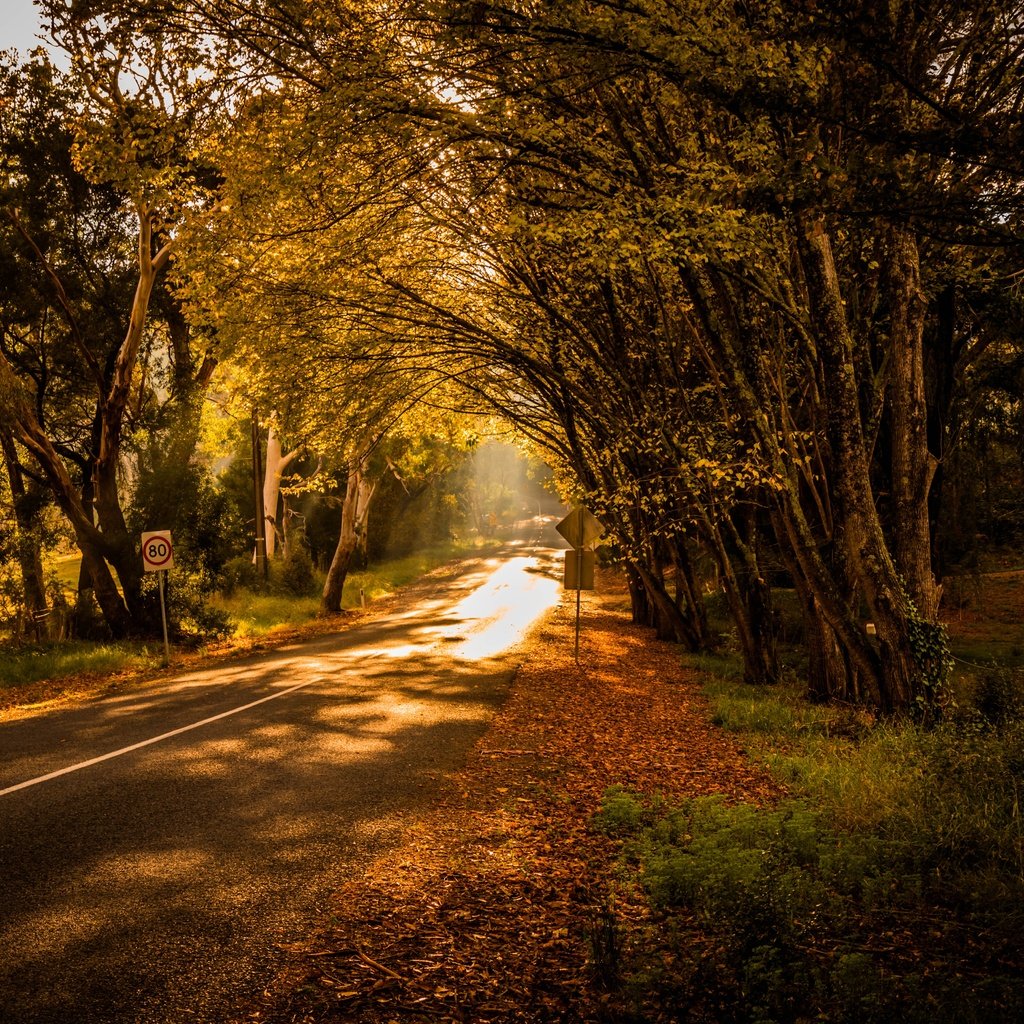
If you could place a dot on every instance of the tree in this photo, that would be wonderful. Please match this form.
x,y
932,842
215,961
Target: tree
x,y
593,211
27,545
140,143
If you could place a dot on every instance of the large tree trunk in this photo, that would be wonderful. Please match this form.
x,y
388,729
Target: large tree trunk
x,y
859,529
749,599
669,620
639,603
276,462
690,597
913,466
119,547
30,560
717,334
354,511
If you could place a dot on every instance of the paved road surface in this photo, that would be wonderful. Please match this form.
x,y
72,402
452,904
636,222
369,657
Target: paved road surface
x,y
154,885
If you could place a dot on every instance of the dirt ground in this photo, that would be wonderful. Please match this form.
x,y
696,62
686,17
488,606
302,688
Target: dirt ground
x,y
504,904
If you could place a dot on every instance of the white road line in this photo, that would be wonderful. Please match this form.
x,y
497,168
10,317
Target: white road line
x,y
154,739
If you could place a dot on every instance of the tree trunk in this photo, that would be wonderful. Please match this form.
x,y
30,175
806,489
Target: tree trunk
x,y
119,547
669,621
30,560
354,511
859,529
275,463
640,605
749,600
749,607
690,597
833,673
726,358
913,466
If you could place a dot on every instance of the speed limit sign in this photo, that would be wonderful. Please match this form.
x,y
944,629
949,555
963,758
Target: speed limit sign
x,y
157,550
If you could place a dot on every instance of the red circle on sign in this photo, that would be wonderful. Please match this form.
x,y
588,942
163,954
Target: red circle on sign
x,y
158,551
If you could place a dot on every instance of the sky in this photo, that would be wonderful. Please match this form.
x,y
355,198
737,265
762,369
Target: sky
x,y
19,21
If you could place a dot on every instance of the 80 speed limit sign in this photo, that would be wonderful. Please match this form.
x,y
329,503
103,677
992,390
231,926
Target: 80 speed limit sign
x,y
157,550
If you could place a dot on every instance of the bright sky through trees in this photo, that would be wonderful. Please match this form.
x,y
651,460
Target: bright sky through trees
x,y
19,25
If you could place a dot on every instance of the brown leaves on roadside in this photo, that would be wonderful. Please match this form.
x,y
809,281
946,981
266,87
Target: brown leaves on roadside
x,y
502,904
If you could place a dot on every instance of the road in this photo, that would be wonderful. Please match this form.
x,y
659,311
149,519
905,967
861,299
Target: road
x,y
159,845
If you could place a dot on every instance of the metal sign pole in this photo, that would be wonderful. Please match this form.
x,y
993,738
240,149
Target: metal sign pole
x,y
579,592
163,616
580,529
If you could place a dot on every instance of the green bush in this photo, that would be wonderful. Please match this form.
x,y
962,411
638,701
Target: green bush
x,y
293,574
621,812
191,618
888,886
803,918
238,572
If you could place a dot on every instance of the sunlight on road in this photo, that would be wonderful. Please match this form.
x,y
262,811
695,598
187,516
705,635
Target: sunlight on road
x,y
487,621
499,612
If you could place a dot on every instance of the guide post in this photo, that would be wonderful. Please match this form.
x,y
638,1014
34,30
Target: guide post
x,y
158,556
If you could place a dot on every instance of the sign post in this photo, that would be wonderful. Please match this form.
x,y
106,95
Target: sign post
x,y
158,556
580,528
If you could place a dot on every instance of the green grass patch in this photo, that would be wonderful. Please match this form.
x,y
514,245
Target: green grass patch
x,y
888,886
253,614
31,665
66,569
972,654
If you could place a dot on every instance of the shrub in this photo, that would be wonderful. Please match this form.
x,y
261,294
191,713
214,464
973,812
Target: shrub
x,y
191,618
889,886
293,574
802,918
238,572
621,812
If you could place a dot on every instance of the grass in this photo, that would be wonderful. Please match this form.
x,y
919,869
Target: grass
x,y
253,614
66,569
888,885
988,625
52,661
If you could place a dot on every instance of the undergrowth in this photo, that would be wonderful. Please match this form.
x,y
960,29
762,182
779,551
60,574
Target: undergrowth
x,y
25,665
888,886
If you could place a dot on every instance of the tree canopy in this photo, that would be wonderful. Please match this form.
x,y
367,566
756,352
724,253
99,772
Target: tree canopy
x,y
734,268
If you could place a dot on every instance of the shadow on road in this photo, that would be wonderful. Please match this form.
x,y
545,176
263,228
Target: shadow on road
x,y
154,886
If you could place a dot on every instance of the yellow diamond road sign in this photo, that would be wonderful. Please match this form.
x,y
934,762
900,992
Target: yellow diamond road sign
x,y
580,528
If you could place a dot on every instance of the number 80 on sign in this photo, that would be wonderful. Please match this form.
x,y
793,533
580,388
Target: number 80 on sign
x,y
157,550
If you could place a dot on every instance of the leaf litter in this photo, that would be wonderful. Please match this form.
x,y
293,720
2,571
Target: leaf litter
x,y
502,903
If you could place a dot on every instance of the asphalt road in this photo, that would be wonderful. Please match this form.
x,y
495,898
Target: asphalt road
x,y
158,846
